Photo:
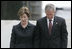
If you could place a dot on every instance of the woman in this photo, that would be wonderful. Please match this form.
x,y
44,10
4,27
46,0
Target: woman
x,y
21,36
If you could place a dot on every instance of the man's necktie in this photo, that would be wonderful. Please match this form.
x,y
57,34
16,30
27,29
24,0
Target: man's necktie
x,y
50,26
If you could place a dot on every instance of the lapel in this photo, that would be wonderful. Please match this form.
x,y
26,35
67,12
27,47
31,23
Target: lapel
x,y
46,26
54,25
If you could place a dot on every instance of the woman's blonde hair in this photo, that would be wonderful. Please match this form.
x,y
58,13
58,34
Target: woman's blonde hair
x,y
24,10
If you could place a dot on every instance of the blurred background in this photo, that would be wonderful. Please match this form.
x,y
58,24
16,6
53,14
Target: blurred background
x,y
9,16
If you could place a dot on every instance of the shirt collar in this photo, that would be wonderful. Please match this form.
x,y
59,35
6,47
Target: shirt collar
x,y
52,19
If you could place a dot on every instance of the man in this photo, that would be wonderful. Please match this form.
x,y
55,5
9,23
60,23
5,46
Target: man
x,y
51,30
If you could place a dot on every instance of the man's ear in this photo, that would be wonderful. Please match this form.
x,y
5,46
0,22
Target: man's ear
x,y
45,11
54,11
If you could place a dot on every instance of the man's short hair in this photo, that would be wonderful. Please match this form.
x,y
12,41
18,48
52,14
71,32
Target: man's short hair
x,y
50,7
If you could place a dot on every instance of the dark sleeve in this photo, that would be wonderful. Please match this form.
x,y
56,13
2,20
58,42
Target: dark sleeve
x,y
36,36
13,38
64,35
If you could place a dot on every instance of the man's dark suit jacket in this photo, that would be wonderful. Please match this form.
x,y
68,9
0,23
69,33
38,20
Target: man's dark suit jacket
x,y
58,37
20,37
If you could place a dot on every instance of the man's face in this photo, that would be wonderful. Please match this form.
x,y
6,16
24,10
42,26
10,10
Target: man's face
x,y
49,14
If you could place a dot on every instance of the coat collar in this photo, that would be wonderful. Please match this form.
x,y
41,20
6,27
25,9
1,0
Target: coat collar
x,y
29,24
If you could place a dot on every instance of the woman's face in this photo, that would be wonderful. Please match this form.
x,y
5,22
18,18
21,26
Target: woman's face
x,y
24,19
